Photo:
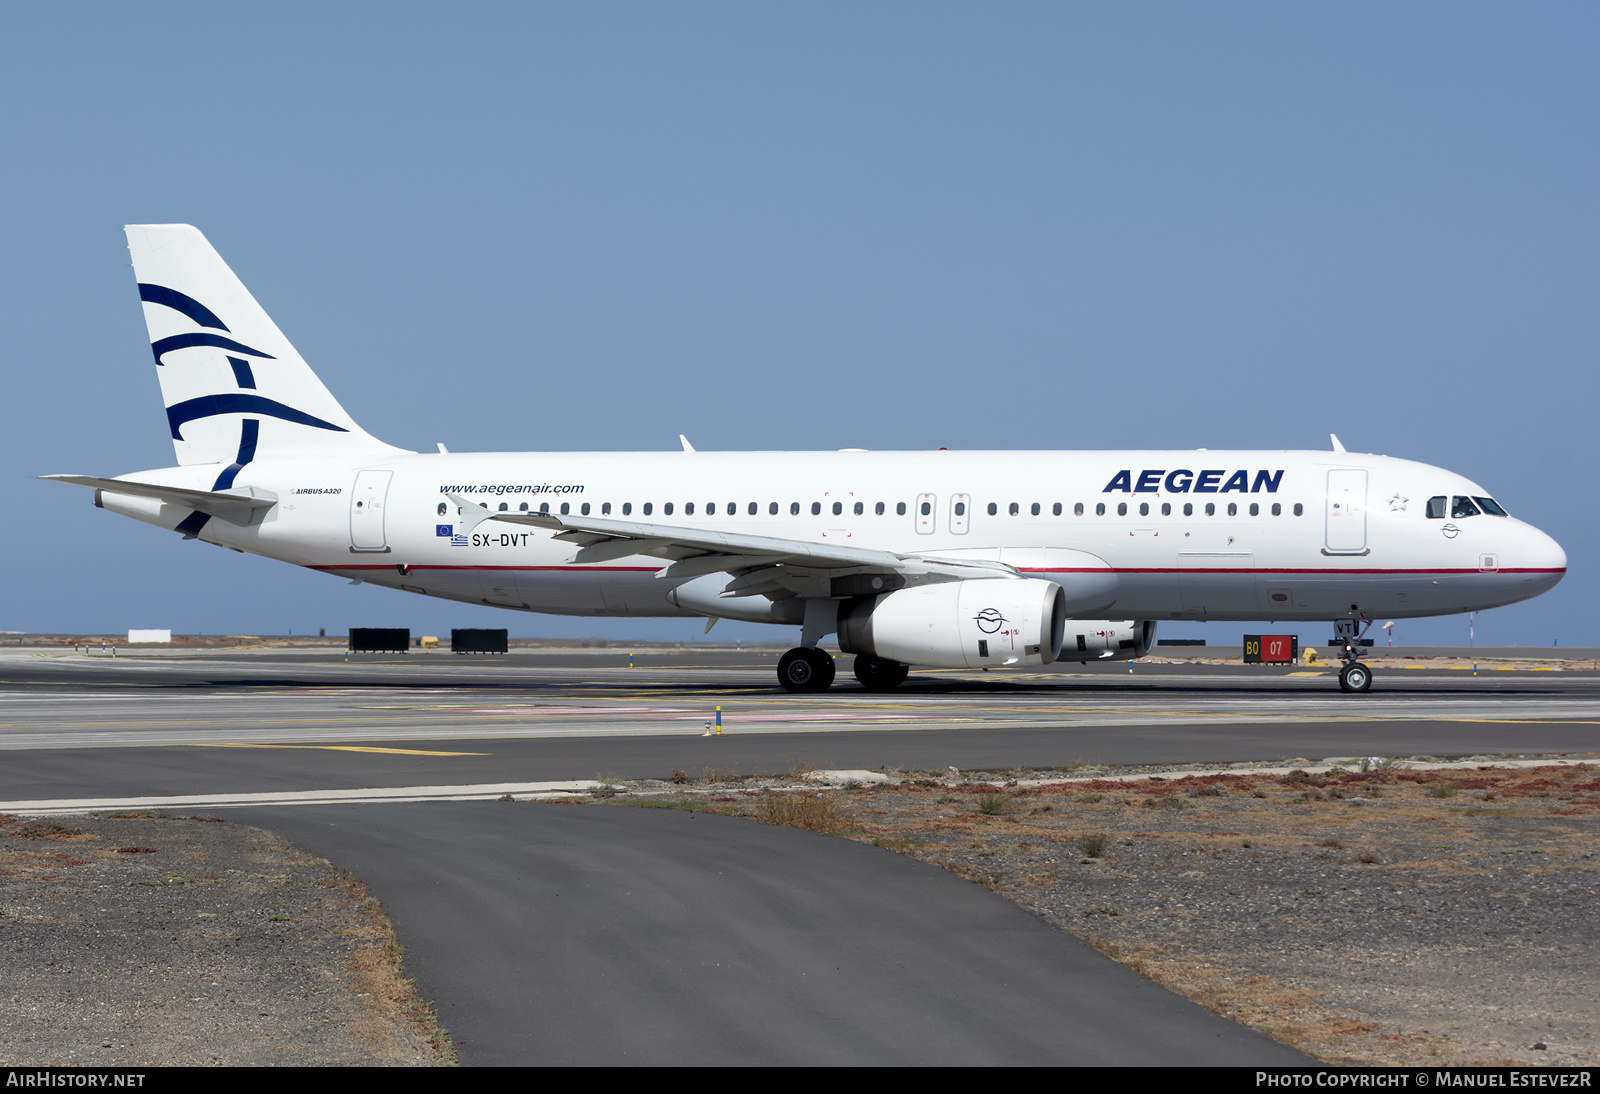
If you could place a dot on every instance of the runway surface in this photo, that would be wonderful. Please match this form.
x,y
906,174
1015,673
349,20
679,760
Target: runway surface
x,y
606,934
226,722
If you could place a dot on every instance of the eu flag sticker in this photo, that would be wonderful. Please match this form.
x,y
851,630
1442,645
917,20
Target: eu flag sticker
x,y
444,530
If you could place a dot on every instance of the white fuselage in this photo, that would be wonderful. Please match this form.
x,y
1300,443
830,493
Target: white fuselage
x,y
1350,534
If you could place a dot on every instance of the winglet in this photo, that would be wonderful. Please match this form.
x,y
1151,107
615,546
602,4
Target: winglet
x,y
687,447
1337,446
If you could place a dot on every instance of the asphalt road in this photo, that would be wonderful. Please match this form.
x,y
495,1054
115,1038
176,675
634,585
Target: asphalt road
x,y
558,934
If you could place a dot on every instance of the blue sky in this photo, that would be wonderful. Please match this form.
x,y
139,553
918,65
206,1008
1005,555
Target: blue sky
x,y
808,226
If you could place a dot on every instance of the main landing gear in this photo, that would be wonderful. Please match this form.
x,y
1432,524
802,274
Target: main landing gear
x,y
806,668
879,674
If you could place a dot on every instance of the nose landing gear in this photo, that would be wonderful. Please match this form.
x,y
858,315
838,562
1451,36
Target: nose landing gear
x,y
1354,677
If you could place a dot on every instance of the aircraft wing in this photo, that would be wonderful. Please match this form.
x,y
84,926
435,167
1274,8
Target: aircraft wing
x,y
235,506
760,565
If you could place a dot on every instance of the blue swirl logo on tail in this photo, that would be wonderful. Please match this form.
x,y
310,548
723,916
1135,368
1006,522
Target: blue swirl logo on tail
x,y
208,406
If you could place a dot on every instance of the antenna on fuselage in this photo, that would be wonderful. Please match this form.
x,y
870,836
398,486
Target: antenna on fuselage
x,y
1337,446
687,447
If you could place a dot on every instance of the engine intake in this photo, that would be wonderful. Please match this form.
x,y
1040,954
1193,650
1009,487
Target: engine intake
x,y
1108,639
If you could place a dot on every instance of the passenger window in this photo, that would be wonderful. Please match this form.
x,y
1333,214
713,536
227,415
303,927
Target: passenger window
x,y
816,508
1144,509
838,507
1436,508
900,509
993,508
585,509
666,509
860,508
1188,509
627,509
794,509
1100,509
927,508
688,509
544,508
1122,508
647,506
605,509
523,508
961,508
1490,506
733,508
1277,509
878,509
1462,507
1233,509
1299,510
1015,509
1255,510
504,507
1166,508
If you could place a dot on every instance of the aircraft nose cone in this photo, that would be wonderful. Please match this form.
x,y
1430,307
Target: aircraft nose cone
x,y
1552,555
1542,555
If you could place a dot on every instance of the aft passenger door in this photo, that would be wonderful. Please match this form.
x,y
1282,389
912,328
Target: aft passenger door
x,y
1346,512
367,503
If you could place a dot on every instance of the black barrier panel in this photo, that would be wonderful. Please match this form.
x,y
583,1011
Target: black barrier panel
x,y
380,639
478,640
1279,649
1180,642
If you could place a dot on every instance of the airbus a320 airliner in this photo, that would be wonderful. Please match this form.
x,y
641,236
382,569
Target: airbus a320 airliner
x,y
935,559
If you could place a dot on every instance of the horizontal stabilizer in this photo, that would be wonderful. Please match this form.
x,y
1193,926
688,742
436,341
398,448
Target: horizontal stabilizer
x,y
234,506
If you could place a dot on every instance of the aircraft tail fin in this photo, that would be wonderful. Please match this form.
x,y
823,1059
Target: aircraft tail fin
x,y
234,387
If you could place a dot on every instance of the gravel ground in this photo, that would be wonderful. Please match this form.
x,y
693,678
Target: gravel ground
x,y
1394,916
139,940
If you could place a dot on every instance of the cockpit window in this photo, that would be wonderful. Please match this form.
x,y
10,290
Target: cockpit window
x,y
1436,507
1490,506
1462,507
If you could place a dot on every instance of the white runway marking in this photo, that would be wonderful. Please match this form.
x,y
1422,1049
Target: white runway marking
x,y
474,792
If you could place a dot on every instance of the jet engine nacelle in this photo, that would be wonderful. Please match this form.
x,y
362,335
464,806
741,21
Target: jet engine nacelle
x,y
1107,639
982,623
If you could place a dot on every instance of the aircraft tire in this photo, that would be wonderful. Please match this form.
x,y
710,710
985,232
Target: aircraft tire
x,y
1355,678
805,668
829,669
878,674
